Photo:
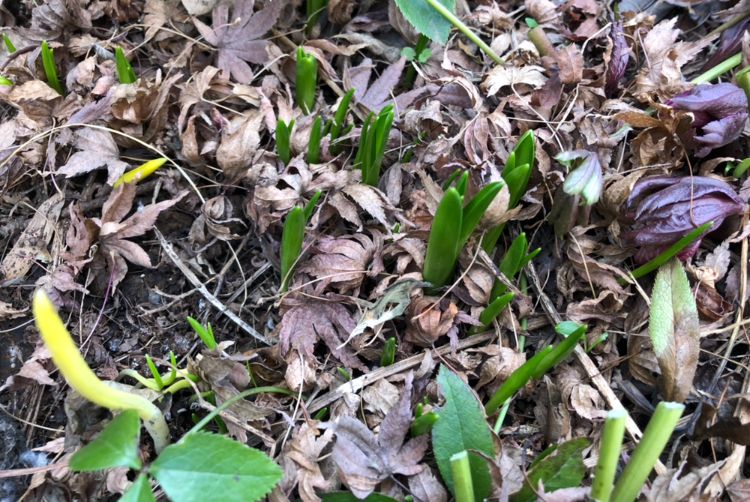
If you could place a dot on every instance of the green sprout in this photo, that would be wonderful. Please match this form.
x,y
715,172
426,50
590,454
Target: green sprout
x,y
314,10
389,352
284,140
451,228
50,69
336,127
372,143
206,333
125,72
513,262
177,379
313,146
421,53
4,81
8,44
423,423
737,170
292,238
307,80
516,174
537,366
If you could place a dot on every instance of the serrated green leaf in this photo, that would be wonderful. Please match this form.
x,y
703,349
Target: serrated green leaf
x,y
427,20
115,446
204,466
462,426
557,467
139,491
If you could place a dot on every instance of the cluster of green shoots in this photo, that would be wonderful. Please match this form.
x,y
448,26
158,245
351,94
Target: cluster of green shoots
x,y
452,226
334,128
372,143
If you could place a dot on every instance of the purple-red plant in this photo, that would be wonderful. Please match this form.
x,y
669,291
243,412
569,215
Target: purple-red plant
x,y
661,210
720,112
618,62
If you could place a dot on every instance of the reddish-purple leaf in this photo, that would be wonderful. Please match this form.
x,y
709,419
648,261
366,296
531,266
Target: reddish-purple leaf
x,y
662,210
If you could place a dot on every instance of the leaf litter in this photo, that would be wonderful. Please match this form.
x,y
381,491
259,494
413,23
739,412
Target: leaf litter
x,y
214,80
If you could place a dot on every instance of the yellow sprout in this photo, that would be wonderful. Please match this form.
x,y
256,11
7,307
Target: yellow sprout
x,y
140,172
80,377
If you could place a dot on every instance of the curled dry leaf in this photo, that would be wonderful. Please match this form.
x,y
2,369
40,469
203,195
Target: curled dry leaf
x,y
301,464
306,320
342,261
364,459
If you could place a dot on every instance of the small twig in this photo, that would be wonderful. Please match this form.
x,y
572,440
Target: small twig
x,y
193,279
370,378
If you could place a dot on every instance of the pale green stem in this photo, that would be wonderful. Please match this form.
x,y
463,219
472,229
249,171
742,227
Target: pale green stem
x,y
609,455
655,438
447,14
718,70
462,484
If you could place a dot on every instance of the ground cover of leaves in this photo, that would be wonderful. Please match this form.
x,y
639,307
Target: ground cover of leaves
x,y
201,237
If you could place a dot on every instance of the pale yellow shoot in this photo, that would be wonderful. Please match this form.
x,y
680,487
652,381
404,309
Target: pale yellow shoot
x,y
140,172
80,377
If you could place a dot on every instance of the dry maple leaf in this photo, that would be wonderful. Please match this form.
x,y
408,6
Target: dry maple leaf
x,y
96,149
364,459
341,261
308,319
112,232
238,39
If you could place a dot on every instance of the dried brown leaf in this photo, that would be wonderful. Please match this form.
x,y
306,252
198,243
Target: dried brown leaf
x,y
239,39
364,460
97,149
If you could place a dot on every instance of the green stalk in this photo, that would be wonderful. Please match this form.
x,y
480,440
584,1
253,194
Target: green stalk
x,y
50,70
125,72
313,147
718,70
609,455
516,381
462,482
307,80
206,333
655,438
389,352
504,410
670,252
154,372
475,209
284,140
291,243
447,14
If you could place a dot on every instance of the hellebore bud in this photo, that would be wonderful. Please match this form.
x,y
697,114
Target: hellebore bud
x,y
720,112
585,179
662,209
